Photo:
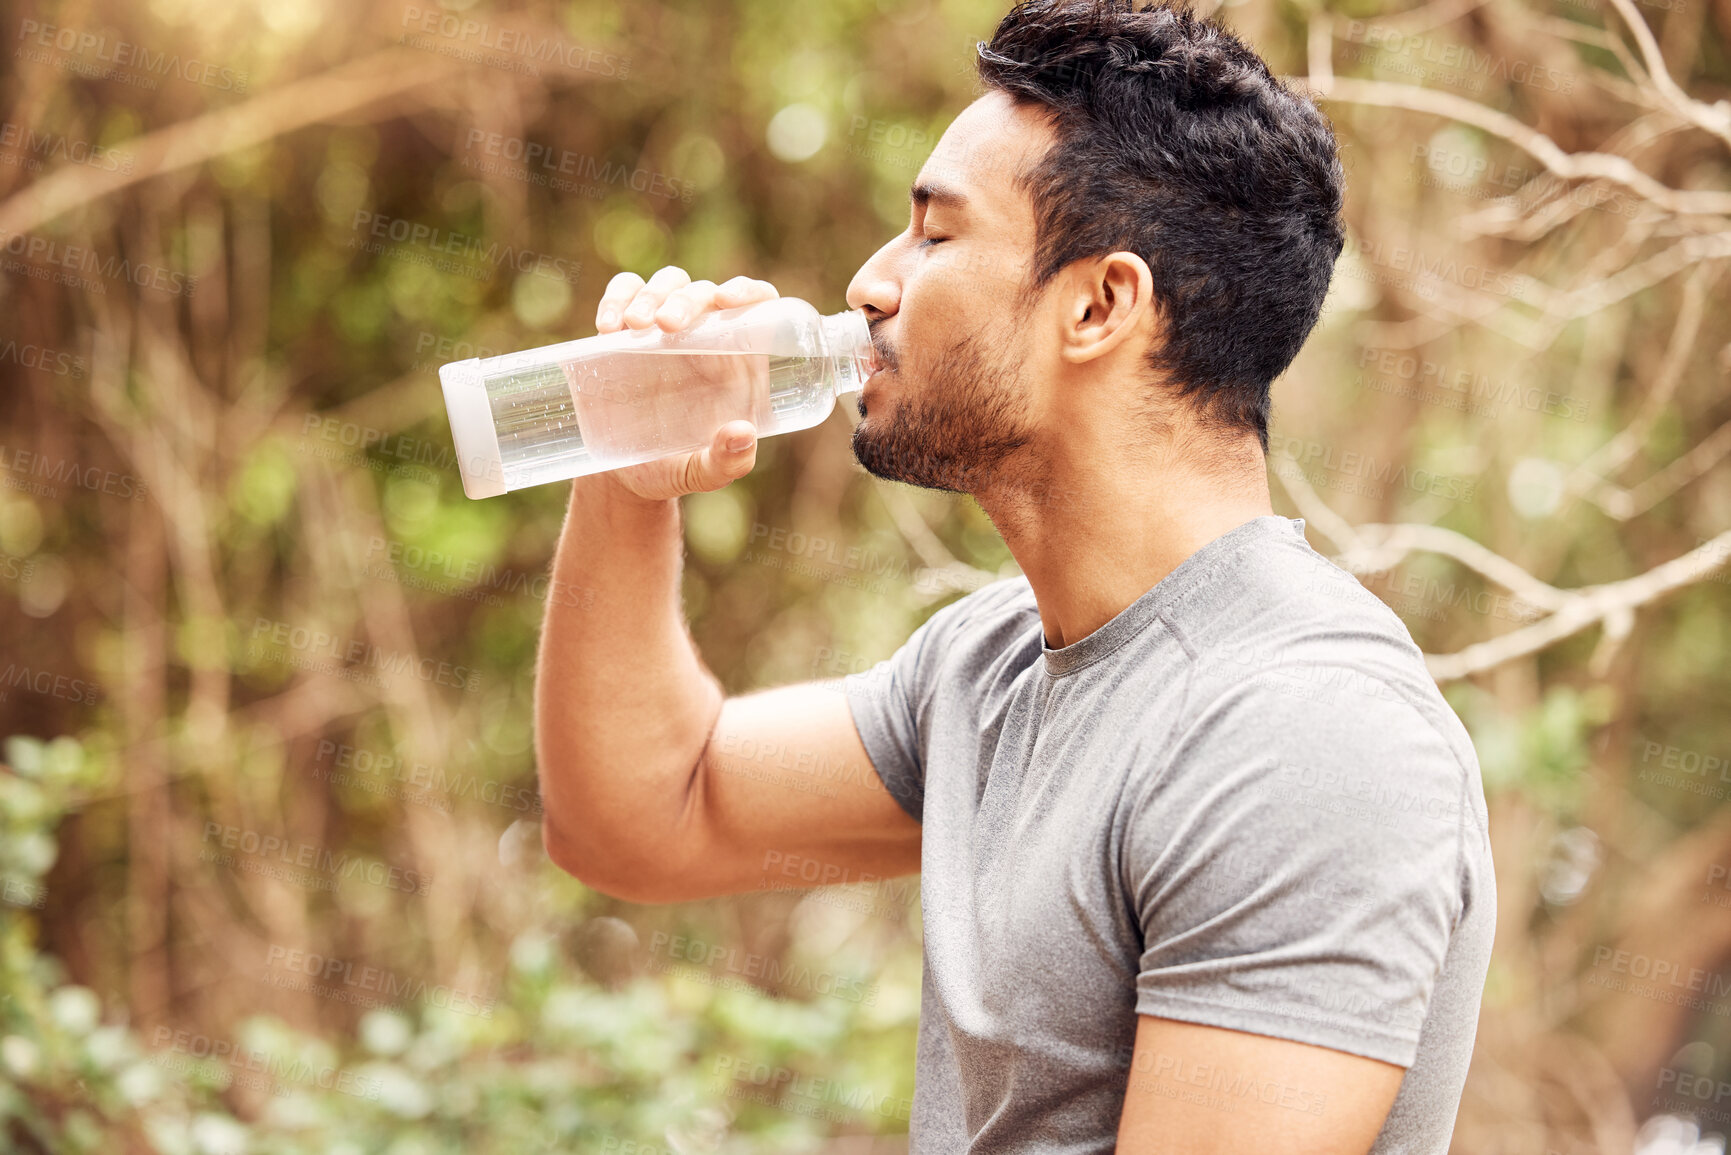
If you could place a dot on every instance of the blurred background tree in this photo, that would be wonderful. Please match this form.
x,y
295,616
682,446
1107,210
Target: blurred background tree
x,y
272,878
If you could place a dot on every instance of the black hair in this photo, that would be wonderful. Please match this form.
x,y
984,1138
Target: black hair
x,y
1174,141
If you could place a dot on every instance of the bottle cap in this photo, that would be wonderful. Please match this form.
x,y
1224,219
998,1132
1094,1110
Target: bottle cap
x,y
848,339
472,428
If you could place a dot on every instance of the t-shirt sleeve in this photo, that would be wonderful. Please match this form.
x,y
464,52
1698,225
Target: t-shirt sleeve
x,y
1295,861
890,701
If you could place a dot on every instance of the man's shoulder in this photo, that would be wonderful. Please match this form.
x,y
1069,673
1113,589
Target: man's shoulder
x,y
1288,623
995,610
1295,655
966,636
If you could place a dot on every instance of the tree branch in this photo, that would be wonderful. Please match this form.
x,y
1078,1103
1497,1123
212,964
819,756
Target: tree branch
x,y
1571,166
1715,118
310,100
1586,605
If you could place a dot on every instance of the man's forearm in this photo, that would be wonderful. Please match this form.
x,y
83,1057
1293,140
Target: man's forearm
x,y
623,704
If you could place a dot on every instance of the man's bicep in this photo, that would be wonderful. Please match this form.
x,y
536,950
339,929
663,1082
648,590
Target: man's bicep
x,y
786,796
1199,1090
819,782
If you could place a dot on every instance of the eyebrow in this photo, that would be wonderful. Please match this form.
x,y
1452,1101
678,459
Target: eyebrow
x,y
927,192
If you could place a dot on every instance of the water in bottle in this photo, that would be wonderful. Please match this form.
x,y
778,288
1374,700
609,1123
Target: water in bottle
x,y
617,399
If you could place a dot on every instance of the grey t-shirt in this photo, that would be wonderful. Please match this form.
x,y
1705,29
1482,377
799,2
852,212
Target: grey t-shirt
x,y
1241,802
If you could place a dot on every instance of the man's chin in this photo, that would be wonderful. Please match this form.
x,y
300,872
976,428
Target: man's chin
x,y
873,450
883,454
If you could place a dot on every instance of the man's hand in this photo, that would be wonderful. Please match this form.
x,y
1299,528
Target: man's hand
x,y
657,786
671,300
1198,1090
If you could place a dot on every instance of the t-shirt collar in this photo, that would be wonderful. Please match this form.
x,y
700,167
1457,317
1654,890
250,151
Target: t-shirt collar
x,y
1193,571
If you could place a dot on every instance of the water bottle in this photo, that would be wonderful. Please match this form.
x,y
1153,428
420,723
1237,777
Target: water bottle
x,y
617,399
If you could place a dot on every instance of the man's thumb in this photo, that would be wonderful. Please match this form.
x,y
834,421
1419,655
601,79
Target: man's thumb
x,y
730,455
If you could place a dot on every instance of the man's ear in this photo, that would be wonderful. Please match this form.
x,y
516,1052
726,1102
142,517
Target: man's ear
x,y
1111,298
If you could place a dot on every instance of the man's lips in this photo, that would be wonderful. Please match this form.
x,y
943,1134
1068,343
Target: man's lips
x,y
875,364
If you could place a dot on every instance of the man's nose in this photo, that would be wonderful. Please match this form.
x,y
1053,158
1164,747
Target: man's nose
x,y
874,288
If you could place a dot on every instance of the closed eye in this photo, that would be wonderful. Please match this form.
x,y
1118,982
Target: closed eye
x,y
929,241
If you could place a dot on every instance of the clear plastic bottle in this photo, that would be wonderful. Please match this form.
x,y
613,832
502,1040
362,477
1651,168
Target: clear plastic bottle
x,y
617,399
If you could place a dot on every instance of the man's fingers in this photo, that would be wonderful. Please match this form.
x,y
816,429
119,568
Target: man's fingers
x,y
641,312
744,291
684,304
704,471
671,299
619,292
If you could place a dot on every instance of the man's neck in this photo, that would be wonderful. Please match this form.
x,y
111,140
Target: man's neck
x,y
1095,529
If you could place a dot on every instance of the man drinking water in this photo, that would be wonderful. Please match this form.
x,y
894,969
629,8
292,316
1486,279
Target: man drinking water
x,y
1203,851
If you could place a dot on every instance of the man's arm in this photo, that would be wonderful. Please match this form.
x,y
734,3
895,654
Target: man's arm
x,y
1200,1090
1294,935
656,786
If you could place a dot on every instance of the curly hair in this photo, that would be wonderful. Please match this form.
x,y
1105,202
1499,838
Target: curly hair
x,y
1175,142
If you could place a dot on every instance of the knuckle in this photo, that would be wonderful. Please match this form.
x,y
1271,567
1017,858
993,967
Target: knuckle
x,y
691,474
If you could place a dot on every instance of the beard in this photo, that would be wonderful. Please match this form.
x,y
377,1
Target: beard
x,y
963,431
